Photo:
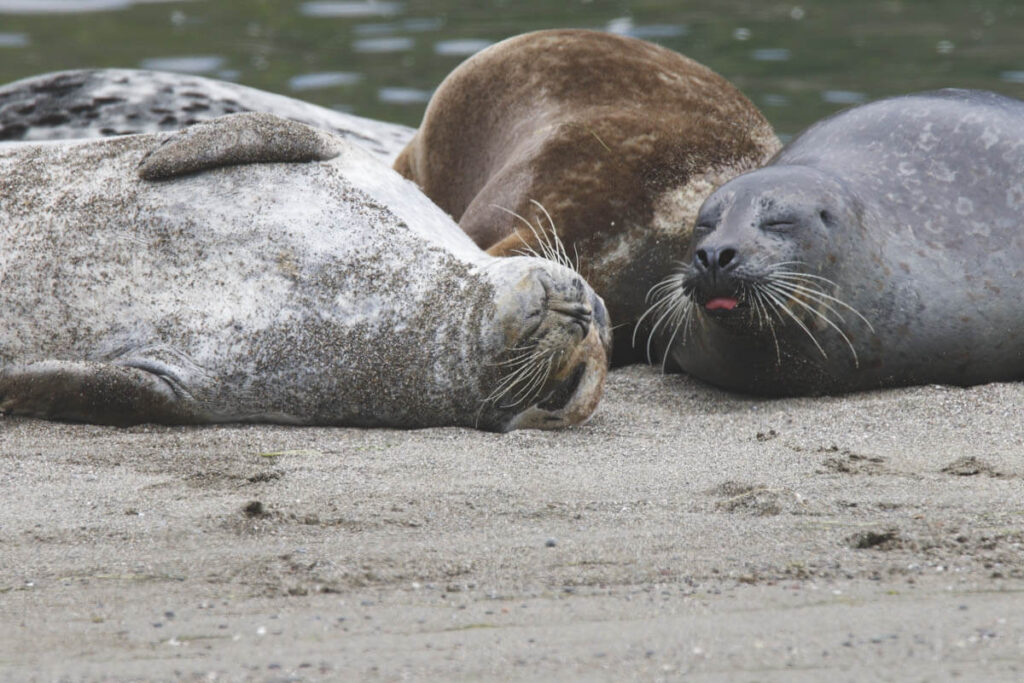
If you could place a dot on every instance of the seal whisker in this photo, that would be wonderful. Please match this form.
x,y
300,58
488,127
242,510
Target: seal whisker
x,y
670,302
750,294
516,362
507,385
504,386
523,369
771,329
810,288
771,325
662,308
514,377
776,287
807,277
822,299
670,283
665,304
781,306
650,309
523,384
537,377
683,315
558,243
814,294
677,311
545,250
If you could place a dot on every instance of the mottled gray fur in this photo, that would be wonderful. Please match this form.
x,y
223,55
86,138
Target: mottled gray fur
x,y
92,103
326,292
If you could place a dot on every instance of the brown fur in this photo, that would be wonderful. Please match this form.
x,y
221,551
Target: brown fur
x,y
616,137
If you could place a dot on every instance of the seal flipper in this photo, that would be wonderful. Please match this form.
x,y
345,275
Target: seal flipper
x,y
101,393
238,139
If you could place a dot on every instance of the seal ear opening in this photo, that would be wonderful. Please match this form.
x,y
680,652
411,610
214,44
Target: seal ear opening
x,y
236,140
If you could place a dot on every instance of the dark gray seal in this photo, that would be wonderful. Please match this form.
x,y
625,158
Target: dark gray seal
x,y
884,246
95,103
170,278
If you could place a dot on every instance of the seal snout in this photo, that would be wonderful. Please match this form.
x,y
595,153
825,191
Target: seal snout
x,y
715,267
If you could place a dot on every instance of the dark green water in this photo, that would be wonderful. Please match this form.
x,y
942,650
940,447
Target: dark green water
x,y
797,61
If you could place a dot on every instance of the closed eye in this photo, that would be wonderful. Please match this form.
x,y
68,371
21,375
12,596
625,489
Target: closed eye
x,y
532,323
779,226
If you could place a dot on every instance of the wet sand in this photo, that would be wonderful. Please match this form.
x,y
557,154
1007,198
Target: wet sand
x,y
684,533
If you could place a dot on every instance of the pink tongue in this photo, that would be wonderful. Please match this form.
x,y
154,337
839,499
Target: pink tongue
x,y
721,303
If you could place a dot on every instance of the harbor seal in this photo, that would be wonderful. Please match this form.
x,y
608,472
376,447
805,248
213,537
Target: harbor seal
x,y
611,141
884,246
168,278
95,103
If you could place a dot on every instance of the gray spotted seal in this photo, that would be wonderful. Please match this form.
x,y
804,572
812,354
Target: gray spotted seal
x,y
93,103
167,278
611,141
884,246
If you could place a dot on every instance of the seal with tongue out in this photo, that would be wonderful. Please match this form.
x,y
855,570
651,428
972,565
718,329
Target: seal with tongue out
x,y
882,247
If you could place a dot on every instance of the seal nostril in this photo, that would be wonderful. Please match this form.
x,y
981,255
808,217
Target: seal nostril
x,y
580,314
725,257
584,321
583,317
702,258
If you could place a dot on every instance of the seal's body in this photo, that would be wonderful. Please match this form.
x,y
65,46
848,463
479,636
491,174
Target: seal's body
x,y
317,287
884,246
619,140
93,103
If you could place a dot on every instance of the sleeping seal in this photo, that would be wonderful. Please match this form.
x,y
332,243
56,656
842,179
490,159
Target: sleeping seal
x,y
613,142
93,103
884,246
169,278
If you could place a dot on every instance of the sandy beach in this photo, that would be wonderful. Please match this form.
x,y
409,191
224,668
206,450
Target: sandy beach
x,y
683,534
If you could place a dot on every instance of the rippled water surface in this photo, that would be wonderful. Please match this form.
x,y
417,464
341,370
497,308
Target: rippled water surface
x,y
797,61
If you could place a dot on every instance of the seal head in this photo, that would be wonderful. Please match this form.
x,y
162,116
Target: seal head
x,y
555,348
758,233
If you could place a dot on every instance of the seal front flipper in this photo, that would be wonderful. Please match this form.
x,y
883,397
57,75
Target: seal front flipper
x,y
101,393
235,140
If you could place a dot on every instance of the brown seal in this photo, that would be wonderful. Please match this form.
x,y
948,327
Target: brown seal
x,y
618,139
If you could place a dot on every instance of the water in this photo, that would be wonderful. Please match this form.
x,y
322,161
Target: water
x,y
797,61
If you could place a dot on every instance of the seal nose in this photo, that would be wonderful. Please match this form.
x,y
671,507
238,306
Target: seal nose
x,y
581,313
713,259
